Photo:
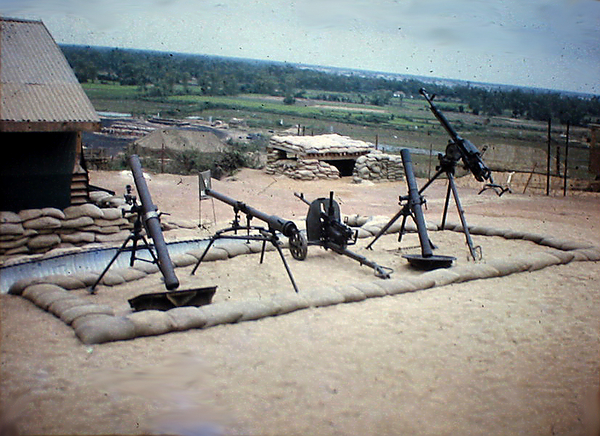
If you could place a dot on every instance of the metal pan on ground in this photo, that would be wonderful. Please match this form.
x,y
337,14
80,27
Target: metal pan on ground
x,y
172,299
418,261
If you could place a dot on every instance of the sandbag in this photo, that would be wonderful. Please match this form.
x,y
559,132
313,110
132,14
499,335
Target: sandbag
x,y
29,214
78,237
256,309
350,293
129,274
113,237
396,286
592,254
542,260
151,322
79,222
9,217
11,229
17,287
64,281
220,313
232,247
43,295
43,222
370,289
69,315
421,282
509,265
113,214
215,253
83,210
183,260
111,278
322,296
287,302
105,328
186,318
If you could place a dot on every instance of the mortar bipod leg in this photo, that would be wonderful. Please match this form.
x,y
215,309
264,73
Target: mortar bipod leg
x,y
463,220
385,228
212,240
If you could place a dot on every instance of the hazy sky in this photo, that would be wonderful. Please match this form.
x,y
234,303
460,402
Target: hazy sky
x,y
545,43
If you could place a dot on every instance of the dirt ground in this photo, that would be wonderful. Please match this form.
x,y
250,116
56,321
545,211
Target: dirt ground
x,y
502,356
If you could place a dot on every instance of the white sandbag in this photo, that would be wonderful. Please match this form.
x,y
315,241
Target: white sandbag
x,y
350,293
287,302
83,210
370,289
396,286
186,318
9,217
151,322
64,281
322,296
220,313
105,328
69,315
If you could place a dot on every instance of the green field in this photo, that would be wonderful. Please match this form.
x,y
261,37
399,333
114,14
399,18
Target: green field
x,y
403,123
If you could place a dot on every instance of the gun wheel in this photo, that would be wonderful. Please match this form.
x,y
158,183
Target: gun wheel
x,y
298,246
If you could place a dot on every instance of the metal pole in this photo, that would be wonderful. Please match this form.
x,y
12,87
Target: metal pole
x,y
548,161
566,161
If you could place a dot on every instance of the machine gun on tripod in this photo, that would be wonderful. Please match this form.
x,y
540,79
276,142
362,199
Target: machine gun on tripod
x,y
324,228
458,149
297,241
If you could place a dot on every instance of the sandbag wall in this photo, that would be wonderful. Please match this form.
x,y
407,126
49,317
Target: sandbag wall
x,y
378,167
300,169
35,231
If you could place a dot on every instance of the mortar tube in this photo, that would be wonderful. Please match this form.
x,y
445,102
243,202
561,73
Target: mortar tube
x,y
415,201
152,224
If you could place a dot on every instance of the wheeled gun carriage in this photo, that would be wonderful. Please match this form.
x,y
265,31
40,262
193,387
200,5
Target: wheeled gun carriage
x,y
325,228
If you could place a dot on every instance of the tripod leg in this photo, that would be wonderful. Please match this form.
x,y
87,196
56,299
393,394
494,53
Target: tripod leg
x,y
262,250
463,220
402,227
147,246
212,240
133,250
445,214
287,268
92,289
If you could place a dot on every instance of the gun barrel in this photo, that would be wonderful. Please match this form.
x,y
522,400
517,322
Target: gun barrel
x,y
286,227
152,224
440,117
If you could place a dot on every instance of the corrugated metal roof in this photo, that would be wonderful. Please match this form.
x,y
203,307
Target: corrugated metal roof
x,y
37,85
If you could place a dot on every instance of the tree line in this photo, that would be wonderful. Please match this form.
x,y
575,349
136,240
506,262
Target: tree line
x,y
159,74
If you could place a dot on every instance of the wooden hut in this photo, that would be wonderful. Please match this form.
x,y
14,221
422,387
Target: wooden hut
x,y
43,111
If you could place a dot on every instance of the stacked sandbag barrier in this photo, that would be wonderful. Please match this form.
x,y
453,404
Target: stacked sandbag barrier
x,y
95,324
34,231
378,167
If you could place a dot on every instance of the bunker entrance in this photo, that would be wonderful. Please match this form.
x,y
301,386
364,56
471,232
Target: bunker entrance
x,y
344,166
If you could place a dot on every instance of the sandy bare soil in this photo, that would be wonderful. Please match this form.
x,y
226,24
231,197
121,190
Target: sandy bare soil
x,y
502,356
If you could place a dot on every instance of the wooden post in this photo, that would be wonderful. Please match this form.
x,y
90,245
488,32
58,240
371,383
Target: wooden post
x,y
548,161
376,142
566,161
